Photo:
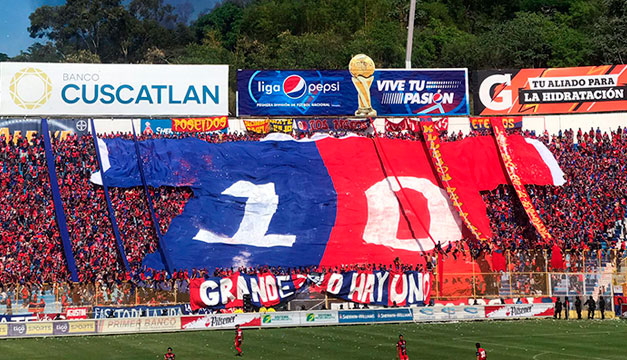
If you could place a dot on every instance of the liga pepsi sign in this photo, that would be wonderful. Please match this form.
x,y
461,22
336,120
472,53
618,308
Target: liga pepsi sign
x,y
332,92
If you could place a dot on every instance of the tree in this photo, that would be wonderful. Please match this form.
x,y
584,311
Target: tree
x,y
40,52
108,29
4,57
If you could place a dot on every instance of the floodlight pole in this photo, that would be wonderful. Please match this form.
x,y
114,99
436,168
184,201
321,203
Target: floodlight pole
x,y
410,33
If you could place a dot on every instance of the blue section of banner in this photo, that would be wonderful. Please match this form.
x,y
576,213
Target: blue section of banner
x,y
58,203
253,203
332,92
114,223
368,316
164,259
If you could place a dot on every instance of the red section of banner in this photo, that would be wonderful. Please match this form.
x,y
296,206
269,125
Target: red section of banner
x,y
512,172
199,124
451,185
382,232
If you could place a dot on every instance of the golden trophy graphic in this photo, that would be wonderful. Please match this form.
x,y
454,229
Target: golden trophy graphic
x,y
362,67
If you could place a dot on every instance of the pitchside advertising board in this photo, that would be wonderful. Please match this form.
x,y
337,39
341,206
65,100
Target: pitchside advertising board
x,y
550,90
333,93
40,89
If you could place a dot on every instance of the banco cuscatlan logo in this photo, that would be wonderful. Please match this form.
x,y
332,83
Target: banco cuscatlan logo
x,y
30,88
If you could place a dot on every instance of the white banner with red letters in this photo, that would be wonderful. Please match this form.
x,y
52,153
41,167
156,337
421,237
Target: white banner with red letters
x,y
519,311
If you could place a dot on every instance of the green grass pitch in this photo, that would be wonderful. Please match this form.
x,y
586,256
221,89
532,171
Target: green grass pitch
x,y
524,339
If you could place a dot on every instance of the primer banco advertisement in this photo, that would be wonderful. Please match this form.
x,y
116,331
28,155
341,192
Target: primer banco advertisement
x,y
571,90
334,93
41,89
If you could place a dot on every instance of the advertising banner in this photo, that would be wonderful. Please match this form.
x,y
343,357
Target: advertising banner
x,y
322,317
334,93
550,90
74,327
4,330
27,128
483,123
368,316
42,89
73,313
343,210
448,313
519,311
315,125
121,325
220,321
280,319
160,323
156,126
105,312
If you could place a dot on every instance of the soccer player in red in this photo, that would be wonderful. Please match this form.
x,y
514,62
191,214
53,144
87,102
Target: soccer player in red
x,y
169,355
481,355
238,340
402,348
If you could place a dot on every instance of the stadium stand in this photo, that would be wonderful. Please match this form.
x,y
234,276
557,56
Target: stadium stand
x,y
587,215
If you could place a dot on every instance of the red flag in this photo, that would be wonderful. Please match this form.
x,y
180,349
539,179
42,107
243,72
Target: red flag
x,y
498,261
442,124
557,260
395,127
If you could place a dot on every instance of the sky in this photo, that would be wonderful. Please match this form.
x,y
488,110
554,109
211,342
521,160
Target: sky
x,y
14,21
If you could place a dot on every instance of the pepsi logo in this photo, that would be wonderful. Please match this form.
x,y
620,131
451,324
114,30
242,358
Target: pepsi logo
x,y
294,86
437,98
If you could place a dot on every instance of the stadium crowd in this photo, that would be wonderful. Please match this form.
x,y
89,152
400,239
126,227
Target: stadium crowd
x,y
586,214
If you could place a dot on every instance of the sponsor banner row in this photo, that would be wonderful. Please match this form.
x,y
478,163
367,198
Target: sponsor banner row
x,y
47,89
277,319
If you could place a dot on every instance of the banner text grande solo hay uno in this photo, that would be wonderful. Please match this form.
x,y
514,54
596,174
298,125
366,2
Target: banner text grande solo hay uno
x,y
387,288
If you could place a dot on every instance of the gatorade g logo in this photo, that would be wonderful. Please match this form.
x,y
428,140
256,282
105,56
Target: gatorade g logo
x,y
30,88
311,318
294,86
495,84
267,319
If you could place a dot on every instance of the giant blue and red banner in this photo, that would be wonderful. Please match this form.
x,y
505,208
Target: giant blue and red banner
x,y
327,202
332,93
388,288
